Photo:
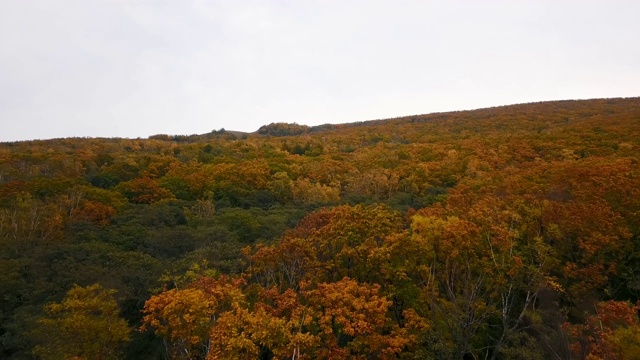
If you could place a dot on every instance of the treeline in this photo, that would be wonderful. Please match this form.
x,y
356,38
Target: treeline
x,y
504,233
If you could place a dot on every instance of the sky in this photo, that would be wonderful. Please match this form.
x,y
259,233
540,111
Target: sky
x,y
135,68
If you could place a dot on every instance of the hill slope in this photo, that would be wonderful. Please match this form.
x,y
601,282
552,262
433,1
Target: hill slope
x,y
494,232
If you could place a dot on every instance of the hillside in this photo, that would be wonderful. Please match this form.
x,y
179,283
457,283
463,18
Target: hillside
x,y
508,232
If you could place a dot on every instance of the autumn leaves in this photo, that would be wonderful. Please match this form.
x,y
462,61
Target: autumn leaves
x,y
286,305
473,276
501,233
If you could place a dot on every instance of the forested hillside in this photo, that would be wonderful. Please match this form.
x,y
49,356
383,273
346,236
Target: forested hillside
x,y
503,233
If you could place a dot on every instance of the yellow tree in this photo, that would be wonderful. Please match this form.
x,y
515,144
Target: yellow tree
x,y
276,327
341,320
183,317
144,191
85,325
351,321
480,267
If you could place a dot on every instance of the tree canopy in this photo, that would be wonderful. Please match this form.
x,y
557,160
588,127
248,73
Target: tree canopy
x,y
503,233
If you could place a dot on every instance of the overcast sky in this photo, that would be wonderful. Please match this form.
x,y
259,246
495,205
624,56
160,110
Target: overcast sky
x,y
134,68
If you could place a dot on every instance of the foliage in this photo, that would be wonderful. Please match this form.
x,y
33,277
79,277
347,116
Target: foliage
x,y
508,232
85,325
283,129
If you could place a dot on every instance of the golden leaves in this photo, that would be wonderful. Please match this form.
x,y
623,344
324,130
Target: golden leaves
x,y
184,317
86,324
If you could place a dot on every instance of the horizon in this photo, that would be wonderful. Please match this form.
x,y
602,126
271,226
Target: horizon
x,y
134,68
342,123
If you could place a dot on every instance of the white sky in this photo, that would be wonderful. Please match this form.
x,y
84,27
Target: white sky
x,y
134,68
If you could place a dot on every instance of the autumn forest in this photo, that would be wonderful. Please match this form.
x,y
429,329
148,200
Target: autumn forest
x,y
502,233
